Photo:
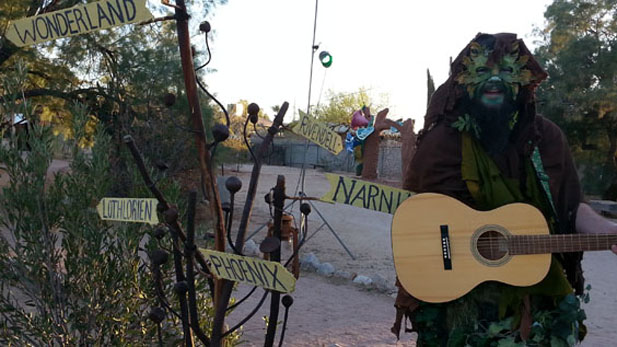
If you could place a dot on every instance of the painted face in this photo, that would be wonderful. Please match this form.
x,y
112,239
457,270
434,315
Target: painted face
x,y
493,83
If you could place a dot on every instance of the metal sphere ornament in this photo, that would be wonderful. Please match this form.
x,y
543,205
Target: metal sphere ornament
x,y
325,58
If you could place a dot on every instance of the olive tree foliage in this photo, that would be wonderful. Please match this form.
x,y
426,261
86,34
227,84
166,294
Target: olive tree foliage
x,y
130,78
579,51
66,277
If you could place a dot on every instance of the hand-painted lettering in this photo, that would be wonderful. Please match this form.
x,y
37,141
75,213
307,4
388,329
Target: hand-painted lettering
x,y
372,195
368,195
214,260
255,273
275,279
79,19
130,13
245,272
362,197
383,200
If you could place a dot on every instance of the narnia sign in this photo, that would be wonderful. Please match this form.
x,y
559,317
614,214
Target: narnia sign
x,y
372,196
257,272
319,133
76,20
128,210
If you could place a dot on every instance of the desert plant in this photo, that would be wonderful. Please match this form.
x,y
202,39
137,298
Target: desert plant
x,y
66,276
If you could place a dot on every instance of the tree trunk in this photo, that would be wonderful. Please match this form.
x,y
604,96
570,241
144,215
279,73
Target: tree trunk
x,y
371,145
610,168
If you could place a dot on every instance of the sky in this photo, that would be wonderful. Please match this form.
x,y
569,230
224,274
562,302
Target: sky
x,y
261,50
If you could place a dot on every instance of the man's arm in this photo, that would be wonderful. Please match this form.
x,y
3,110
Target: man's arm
x,y
589,222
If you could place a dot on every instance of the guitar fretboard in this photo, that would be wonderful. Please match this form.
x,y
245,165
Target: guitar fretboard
x,y
541,244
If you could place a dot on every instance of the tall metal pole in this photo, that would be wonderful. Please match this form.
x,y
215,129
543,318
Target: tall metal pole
x,y
308,106
313,49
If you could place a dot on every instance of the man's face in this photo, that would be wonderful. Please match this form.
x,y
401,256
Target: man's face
x,y
493,83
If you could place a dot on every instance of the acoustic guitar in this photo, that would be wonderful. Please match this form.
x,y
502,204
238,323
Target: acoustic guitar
x,y
443,249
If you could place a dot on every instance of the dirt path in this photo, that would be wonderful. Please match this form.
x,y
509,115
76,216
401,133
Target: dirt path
x,y
334,312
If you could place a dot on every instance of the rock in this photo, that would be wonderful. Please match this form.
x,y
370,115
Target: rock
x,y
344,274
325,269
309,262
251,249
362,280
380,283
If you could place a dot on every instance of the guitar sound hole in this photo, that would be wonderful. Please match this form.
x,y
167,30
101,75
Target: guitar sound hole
x,y
492,245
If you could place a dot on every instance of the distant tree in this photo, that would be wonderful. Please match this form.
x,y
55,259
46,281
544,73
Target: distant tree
x,y
341,106
430,87
579,51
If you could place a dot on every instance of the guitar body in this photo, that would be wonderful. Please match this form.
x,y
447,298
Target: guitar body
x,y
443,249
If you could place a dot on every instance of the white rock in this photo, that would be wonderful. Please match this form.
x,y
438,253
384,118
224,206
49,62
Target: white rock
x,y
380,283
362,280
325,269
343,274
251,249
309,262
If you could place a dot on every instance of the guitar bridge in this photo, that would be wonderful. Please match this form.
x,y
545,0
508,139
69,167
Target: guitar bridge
x,y
445,248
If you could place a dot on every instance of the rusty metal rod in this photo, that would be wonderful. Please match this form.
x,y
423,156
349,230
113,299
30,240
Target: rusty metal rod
x,y
207,176
171,216
189,251
279,202
139,161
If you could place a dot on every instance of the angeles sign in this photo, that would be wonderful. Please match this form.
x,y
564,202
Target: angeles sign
x,y
128,210
257,272
76,20
319,133
372,196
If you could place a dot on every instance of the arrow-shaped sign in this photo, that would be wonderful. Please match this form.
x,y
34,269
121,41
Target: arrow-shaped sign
x,y
128,210
257,272
76,20
319,133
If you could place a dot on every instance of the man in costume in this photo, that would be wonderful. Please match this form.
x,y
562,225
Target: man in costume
x,y
484,144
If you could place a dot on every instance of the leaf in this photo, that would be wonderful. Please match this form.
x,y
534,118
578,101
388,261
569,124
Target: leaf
x,y
509,342
557,342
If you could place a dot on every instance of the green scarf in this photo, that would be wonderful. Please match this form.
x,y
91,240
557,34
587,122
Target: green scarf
x,y
490,190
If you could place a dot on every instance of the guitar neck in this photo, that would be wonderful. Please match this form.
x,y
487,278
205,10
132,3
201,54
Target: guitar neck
x,y
541,244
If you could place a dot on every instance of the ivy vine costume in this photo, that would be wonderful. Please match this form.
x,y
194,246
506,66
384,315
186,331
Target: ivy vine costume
x,y
465,153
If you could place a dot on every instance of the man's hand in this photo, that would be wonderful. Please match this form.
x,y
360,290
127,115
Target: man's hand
x,y
589,222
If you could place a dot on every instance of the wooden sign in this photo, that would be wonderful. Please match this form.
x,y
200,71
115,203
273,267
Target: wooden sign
x,y
254,271
76,20
128,210
372,196
319,133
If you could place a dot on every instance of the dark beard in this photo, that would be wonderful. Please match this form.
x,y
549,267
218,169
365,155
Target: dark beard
x,y
494,124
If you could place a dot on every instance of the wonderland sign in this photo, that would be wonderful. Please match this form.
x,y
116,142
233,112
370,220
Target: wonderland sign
x,y
76,20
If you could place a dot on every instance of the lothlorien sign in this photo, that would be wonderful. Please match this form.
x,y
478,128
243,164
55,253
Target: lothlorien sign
x,y
76,20
128,210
